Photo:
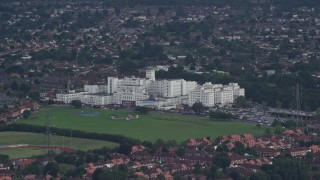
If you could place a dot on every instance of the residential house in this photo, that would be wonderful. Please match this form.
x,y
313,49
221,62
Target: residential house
x,y
37,177
140,155
314,148
198,142
268,152
22,163
237,159
299,151
164,156
137,148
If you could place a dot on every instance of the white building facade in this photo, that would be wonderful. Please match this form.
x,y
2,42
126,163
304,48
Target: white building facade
x,y
69,97
162,94
95,89
129,93
171,88
215,94
200,94
96,99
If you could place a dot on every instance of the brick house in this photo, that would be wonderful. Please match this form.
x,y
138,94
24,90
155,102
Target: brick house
x,y
299,151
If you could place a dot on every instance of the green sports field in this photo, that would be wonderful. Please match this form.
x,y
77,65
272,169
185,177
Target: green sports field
x,y
149,127
23,152
13,138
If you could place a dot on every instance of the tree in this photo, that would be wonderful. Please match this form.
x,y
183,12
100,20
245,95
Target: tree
x,y
90,157
292,169
123,168
316,176
278,129
142,109
258,176
197,169
124,149
26,114
290,124
37,81
161,177
212,172
239,148
78,172
235,175
198,107
15,69
276,123
34,95
267,131
309,156
241,102
96,173
50,101
117,174
4,159
222,147
178,177
220,115
159,143
14,86
192,67
24,88
76,103
318,113
222,160
112,175
279,105
181,151
51,168
33,168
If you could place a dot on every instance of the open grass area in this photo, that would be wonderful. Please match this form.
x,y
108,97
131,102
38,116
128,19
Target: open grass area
x,y
149,127
11,138
23,152
177,51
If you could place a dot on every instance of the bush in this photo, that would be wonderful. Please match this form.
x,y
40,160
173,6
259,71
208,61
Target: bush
x,y
198,107
76,103
26,114
142,109
220,115
50,102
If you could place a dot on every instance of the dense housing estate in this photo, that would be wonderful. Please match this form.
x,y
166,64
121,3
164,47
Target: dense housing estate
x,y
160,94
199,48
199,153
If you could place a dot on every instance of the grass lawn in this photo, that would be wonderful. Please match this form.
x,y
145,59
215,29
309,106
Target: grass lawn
x,y
177,51
11,138
23,152
149,127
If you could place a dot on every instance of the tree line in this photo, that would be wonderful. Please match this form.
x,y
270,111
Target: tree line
x,y
68,132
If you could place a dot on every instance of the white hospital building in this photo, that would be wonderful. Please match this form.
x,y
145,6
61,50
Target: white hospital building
x,y
161,94
215,94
